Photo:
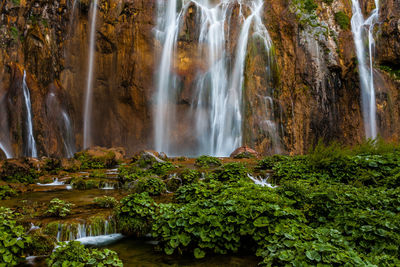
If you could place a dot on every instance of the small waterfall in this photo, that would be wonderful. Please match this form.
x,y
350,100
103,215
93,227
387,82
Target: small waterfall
x,y
217,106
261,181
363,30
63,122
87,139
81,231
30,146
68,136
5,145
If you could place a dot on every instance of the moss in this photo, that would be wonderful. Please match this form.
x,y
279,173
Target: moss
x,y
343,20
51,229
310,6
395,73
42,244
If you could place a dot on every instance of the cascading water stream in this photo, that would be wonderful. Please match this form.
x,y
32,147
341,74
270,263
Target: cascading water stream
x,y
87,140
68,137
363,30
30,146
217,108
4,128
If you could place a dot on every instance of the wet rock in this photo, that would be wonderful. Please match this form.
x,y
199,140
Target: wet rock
x,y
244,152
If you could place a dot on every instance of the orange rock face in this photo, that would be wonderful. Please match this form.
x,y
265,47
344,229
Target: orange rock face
x,y
312,85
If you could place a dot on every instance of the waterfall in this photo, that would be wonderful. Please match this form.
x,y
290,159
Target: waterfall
x,y
217,106
87,140
30,147
63,123
4,133
363,34
68,136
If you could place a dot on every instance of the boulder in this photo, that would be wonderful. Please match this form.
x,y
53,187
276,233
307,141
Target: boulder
x,y
244,152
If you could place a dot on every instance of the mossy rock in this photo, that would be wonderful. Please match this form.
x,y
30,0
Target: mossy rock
x,y
41,244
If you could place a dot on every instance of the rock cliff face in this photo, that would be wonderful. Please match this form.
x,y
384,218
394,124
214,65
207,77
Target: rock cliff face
x,y
313,80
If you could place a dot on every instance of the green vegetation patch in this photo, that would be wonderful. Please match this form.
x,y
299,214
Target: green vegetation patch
x,y
75,254
13,239
343,20
58,208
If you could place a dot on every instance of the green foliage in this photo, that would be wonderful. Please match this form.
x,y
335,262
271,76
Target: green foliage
x,y
244,155
207,161
394,72
105,202
135,214
96,162
16,2
310,5
7,192
18,172
161,168
41,244
58,208
83,184
52,165
189,176
131,173
152,185
144,167
98,174
231,172
74,254
334,207
343,20
13,239
268,162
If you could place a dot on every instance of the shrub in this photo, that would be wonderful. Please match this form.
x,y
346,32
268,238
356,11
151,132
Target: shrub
x,y
20,172
161,168
189,176
207,161
134,214
88,161
105,202
6,192
75,254
58,208
152,185
231,172
13,239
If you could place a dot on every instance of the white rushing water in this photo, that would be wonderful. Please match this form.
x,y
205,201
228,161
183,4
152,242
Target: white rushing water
x,y
87,139
30,146
217,107
6,151
5,144
55,182
64,124
261,181
363,30
68,136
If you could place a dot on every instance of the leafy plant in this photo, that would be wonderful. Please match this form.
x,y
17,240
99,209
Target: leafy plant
x,y
105,202
152,185
135,214
207,161
231,172
75,254
58,208
7,192
13,239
